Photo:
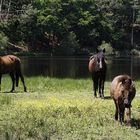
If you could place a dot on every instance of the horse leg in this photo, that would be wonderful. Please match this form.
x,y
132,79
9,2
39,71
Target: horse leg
x,y
120,116
102,84
17,79
101,88
95,88
22,79
13,81
95,84
116,112
121,113
0,81
122,110
128,116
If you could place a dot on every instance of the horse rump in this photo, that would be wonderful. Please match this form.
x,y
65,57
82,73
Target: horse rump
x,y
10,64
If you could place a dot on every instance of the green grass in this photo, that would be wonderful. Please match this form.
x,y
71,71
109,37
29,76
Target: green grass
x,y
62,109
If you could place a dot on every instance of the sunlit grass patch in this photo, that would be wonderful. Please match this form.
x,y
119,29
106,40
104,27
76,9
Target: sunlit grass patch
x,y
62,109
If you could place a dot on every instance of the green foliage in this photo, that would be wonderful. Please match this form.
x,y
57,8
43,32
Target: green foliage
x,y
92,21
68,45
3,41
107,46
28,24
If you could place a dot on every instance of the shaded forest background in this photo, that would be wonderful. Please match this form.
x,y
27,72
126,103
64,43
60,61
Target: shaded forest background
x,y
69,27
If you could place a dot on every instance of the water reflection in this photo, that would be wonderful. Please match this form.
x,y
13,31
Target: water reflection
x,y
73,67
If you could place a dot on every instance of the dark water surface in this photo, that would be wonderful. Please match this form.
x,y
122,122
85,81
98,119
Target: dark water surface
x,y
77,67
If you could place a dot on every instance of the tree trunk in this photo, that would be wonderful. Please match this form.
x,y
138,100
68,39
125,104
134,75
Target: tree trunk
x,y
1,2
9,6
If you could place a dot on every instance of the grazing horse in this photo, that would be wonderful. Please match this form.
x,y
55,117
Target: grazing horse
x,y
97,67
12,65
122,91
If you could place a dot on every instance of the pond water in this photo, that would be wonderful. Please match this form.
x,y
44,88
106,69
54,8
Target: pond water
x,y
77,67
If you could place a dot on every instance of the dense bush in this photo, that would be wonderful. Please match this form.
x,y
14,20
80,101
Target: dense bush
x,y
3,42
107,46
47,24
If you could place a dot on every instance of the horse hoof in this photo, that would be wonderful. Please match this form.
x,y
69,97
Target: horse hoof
x,y
102,97
25,90
12,91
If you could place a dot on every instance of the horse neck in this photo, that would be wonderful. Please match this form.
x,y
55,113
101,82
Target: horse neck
x,y
104,65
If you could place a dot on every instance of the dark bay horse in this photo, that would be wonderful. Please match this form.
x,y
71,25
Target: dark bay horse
x,y
11,64
123,91
97,66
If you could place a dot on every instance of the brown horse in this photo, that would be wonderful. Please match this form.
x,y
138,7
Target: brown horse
x,y
97,67
122,91
12,65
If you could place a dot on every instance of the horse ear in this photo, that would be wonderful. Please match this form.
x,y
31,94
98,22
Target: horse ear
x,y
130,81
123,81
126,81
104,50
97,50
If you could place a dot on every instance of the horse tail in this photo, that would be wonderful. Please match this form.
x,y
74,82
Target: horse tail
x,y
19,74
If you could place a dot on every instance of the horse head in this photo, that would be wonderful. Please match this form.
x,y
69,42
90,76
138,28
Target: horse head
x,y
100,58
97,61
128,92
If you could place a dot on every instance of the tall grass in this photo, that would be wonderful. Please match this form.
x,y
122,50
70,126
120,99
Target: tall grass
x,y
62,109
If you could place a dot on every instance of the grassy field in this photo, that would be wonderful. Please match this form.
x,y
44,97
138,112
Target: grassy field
x,y
62,109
